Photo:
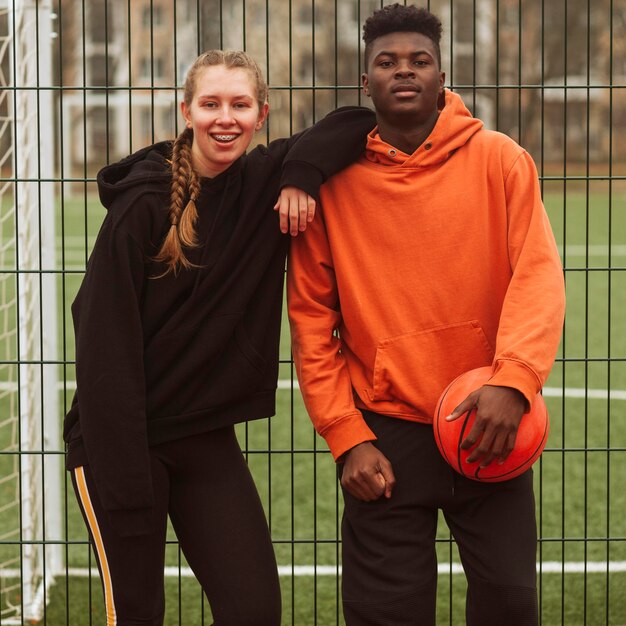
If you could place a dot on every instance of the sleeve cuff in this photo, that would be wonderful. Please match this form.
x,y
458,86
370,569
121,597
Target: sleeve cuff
x,y
303,176
346,433
515,374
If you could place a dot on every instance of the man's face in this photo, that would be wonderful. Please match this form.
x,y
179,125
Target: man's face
x,y
403,77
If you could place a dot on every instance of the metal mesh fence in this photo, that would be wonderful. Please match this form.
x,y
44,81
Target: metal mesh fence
x,y
86,82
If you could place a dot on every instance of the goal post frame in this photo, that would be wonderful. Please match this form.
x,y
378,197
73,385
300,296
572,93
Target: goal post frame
x,y
31,122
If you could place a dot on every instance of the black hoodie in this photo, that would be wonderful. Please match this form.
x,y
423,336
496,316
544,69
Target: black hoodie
x,y
159,359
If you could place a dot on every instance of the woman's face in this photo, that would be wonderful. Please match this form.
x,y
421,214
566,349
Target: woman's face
x,y
224,115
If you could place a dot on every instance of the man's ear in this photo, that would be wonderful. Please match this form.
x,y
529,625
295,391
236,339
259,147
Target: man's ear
x,y
365,84
441,100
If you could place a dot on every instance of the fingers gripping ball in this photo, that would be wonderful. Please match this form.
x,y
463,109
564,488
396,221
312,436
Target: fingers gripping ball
x,y
529,442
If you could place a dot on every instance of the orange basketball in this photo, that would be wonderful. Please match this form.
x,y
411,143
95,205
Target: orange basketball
x,y
529,442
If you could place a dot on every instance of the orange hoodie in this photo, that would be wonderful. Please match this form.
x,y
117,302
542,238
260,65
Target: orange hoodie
x,y
418,268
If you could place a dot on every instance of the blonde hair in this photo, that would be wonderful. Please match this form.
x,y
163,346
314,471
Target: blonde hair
x,y
185,186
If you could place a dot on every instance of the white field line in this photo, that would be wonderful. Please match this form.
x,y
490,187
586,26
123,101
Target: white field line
x,y
581,392
581,250
548,392
547,567
75,258
77,242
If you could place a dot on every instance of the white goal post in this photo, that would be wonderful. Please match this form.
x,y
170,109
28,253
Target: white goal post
x,y
31,553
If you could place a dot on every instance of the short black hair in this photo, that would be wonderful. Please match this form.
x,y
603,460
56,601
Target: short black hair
x,y
395,18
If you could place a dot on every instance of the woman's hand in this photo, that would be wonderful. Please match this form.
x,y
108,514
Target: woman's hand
x,y
296,208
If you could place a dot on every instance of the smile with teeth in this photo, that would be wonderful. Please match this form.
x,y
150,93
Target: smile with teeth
x,y
224,138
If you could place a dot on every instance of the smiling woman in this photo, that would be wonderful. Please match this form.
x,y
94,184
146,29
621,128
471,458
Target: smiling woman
x,y
177,332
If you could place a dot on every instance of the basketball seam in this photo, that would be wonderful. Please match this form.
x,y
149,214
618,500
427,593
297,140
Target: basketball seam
x,y
460,441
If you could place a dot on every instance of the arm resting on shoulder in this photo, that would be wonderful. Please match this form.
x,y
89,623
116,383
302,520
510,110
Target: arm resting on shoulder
x,y
326,148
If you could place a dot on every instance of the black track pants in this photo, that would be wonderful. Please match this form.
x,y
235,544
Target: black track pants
x,y
203,483
389,559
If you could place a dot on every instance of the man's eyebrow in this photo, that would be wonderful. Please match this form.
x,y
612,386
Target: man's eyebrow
x,y
415,53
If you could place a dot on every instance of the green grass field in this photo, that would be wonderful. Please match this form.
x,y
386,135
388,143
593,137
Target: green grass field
x,y
581,500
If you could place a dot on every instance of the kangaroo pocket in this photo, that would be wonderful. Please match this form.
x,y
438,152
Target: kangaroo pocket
x,y
415,368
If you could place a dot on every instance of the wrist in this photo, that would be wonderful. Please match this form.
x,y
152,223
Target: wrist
x,y
358,447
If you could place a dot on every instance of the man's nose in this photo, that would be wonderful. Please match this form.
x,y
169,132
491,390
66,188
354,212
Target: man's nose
x,y
404,70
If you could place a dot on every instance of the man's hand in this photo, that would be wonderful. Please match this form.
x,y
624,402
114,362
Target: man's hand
x,y
499,413
296,208
367,473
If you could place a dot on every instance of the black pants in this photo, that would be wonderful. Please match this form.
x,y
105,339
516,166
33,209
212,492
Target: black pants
x,y
389,559
203,483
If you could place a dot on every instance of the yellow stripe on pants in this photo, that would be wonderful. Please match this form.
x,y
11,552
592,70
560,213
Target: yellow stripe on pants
x,y
85,499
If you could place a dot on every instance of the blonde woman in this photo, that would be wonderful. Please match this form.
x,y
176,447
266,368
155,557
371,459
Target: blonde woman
x,y
177,328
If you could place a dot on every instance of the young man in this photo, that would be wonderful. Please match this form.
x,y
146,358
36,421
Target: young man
x,y
449,264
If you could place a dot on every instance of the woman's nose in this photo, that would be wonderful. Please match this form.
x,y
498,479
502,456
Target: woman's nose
x,y
226,117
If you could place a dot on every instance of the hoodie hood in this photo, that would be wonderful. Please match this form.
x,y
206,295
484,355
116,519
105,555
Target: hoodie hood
x,y
146,170
454,128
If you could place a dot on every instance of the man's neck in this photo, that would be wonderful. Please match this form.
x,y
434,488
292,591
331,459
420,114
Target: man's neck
x,y
407,137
